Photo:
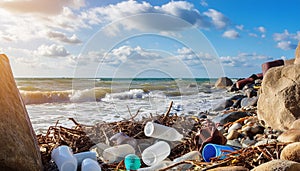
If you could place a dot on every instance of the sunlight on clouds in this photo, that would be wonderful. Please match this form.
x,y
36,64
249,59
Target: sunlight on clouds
x,y
51,51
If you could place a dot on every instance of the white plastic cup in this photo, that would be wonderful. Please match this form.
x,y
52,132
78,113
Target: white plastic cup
x,y
162,132
90,165
193,155
64,158
117,153
156,153
157,166
83,155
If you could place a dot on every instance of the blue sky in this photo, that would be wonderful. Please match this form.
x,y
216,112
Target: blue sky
x,y
110,38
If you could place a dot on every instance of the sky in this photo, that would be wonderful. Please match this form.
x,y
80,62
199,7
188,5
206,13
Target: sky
x,y
113,38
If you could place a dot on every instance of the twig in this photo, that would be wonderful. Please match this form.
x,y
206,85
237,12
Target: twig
x,y
168,111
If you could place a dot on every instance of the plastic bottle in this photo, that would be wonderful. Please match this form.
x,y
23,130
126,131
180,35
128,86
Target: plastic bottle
x,y
156,153
83,155
162,132
117,153
64,158
90,165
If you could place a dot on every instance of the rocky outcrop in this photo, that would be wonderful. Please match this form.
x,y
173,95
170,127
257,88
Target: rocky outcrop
x,y
19,149
279,100
297,54
223,82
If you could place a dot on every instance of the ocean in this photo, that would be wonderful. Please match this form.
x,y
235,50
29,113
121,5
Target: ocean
x,y
90,101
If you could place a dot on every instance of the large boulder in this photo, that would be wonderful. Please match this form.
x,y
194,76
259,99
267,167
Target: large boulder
x,y
297,54
223,82
279,100
19,149
291,152
278,165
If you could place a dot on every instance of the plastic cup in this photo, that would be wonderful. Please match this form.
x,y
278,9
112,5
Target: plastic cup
x,y
90,165
117,153
162,132
215,150
99,148
132,162
83,155
64,158
156,153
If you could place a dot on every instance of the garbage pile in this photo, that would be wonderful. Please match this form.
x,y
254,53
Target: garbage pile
x,y
163,142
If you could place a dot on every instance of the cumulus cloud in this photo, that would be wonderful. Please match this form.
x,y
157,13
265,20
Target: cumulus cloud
x,y
253,35
51,51
61,37
240,27
47,7
281,36
218,19
286,45
231,34
261,29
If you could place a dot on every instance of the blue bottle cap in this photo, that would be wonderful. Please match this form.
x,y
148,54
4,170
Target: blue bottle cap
x,y
132,162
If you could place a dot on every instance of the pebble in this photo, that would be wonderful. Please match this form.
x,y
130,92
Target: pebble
x,y
230,168
234,143
232,135
235,126
265,141
292,135
247,142
291,152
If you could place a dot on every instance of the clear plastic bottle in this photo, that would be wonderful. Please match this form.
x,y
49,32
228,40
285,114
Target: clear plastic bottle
x,y
162,132
64,158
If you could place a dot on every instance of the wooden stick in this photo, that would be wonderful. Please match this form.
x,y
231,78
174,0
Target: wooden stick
x,y
168,111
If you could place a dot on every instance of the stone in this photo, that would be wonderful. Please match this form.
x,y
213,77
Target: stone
x,y
232,135
278,165
229,117
230,168
246,102
295,124
297,54
289,61
266,141
266,66
234,126
250,92
19,149
223,105
223,82
247,142
292,135
234,143
278,104
291,152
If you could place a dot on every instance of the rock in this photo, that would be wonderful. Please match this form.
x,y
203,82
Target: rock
x,y
292,135
223,82
250,92
229,117
241,83
246,102
234,143
278,165
278,103
295,124
232,135
247,142
19,149
257,129
236,97
291,152
235,126
289,61
230,168
266,66
223,105
265,141
297,54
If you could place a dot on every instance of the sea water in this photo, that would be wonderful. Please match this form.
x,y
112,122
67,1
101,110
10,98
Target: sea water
x,y
90,101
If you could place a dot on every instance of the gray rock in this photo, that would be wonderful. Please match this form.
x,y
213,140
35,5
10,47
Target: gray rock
x,y
229,117
223,105
234,126
246,102
250,92
247,142
234,143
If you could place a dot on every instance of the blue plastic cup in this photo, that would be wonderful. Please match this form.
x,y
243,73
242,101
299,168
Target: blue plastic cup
x,y
214,150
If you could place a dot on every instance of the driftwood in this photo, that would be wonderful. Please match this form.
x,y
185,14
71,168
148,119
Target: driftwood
x,y
83,137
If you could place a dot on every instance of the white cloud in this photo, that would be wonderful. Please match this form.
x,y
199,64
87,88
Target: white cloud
x,y
240,27
47,7
51,51
286,45
231,34
203,3
244,60
218,19
253,35
262,29
61,37
281,36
